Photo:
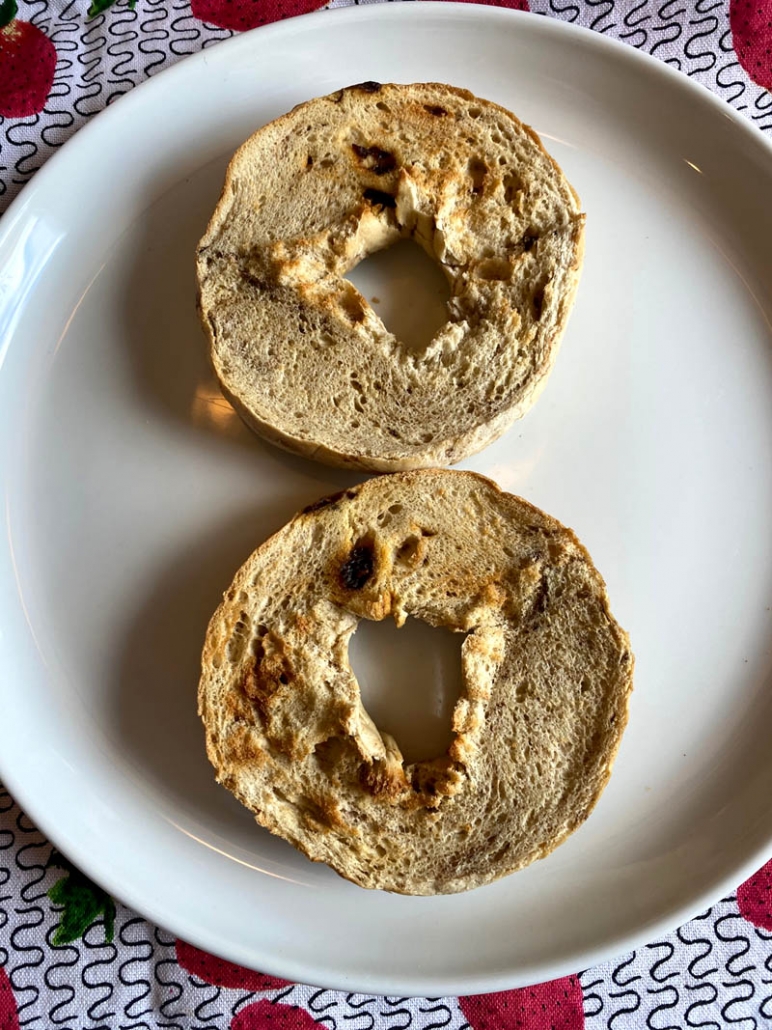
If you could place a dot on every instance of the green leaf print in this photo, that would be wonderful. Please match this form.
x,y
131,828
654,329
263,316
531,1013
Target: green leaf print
x,y
82,901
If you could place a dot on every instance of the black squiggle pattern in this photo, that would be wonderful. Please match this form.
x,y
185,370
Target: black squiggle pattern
x,y
167,973
395,1013
134,935
155,35
25,943
667,999
657,972
706,1001
670,29
694,962
593,1000
32,858
696,47
98,960
765,1003
762,112
209,1020
90,60
599,19
123,35
320,1001
59,980
634,20
359,1020
566,11
728,78
7,841
723,929
441,1012
744,1022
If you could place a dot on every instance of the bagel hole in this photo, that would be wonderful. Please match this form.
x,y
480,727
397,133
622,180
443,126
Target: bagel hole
x,y
412,292
410,680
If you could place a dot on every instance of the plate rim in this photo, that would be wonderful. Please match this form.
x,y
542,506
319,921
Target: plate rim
x,y
179,924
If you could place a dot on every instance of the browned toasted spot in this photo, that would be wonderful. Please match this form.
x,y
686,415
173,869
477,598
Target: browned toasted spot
x,y
351,304
435,779
374,159
383,779
436,110
303,625
312,813
371,86
265,676
243,748
325,502
236,707
330,808
357,569
380,198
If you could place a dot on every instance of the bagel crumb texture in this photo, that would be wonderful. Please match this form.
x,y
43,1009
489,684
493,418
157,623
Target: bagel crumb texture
x,y
547,674
298,350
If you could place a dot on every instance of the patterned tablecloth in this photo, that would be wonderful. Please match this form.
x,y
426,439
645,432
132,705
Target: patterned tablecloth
x,y
72,958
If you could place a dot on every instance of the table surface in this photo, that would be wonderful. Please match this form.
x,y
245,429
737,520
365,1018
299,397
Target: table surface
x,y
69,955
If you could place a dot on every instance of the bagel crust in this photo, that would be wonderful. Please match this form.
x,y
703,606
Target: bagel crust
x,y
547,674
303,356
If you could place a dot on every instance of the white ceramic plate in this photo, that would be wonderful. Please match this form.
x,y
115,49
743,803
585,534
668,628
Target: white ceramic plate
x,y
131,494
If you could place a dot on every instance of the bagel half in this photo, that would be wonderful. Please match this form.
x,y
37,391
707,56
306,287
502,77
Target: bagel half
x,y
547,675
302,355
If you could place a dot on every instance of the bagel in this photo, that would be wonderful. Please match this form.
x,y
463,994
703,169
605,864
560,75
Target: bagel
x,y
302,355
547,675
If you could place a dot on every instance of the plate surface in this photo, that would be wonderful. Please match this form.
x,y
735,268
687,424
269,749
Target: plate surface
x,y
132,493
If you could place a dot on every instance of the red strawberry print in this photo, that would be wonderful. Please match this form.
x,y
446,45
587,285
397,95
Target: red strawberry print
x,y
515,5
9,1017
220,973
557,1005
751,24
27,63
754,898
248,14
265,1015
